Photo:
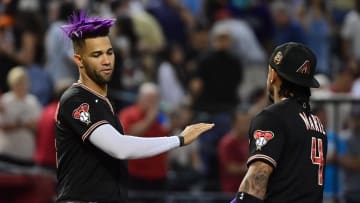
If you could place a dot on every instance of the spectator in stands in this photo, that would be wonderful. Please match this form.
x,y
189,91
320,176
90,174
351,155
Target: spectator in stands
x,y
258,15
350,34
45,154
214,9
287,29
24,46
195,7
233,152
28,50
314,16
332,172
349,161
214,91
144,119
246,47
59,52
172,78
6,43
128,73
185,163
18,118
343,82
174,19
197,47
147,28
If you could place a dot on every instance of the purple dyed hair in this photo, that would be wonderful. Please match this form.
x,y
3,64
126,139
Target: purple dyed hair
x,y
81,27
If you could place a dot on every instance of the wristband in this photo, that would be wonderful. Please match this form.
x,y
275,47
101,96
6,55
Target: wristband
x,y
243,197
182,140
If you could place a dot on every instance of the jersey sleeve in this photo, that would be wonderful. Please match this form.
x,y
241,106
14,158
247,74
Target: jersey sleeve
x,y
266,137
82,116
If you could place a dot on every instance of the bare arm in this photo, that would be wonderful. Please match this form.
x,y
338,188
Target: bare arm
x,y
256,179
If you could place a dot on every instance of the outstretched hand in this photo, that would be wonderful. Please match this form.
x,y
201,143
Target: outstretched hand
x,y
192,132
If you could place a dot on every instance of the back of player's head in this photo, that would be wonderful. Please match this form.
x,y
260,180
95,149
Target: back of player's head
x,y
295,63
81,27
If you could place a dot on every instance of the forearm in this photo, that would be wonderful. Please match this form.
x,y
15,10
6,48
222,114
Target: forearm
x,y
256,180
108,139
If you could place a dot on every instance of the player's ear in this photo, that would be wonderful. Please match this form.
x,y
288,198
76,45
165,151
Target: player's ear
x,y
78,60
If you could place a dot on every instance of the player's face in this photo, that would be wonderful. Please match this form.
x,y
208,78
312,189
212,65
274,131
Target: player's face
x,y
98,59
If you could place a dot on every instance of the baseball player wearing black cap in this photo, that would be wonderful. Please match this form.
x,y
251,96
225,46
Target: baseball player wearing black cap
x,y
288,144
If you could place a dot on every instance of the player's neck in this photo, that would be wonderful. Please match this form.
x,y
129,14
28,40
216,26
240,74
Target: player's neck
x,y
277,97
100,89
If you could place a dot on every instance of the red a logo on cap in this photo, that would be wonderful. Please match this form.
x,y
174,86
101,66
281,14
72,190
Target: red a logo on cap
x,y
304,68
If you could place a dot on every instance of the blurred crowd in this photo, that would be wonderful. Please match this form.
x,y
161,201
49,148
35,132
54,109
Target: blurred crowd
x,y
179,62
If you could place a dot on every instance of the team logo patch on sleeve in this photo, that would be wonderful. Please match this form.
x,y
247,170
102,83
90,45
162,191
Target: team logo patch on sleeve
x,y
262,138
82,113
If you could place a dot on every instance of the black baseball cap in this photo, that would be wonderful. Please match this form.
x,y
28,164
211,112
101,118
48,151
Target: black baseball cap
x,y
295,63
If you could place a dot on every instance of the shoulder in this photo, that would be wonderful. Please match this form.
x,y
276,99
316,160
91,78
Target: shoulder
x,y
272,116
284,106
271,111
74,94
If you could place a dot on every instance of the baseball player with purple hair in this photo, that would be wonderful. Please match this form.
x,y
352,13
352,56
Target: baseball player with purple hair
x,y
92,148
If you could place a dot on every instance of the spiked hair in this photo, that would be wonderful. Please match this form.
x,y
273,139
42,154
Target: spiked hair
x,y
81,27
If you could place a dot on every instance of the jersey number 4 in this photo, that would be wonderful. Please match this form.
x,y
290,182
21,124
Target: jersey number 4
x,y
319,158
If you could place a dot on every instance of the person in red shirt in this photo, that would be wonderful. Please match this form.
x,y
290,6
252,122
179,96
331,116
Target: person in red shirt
x,y
144,119
233,152
45,139
45,154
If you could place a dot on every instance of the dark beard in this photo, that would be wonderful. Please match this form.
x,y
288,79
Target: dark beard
x,y
97,78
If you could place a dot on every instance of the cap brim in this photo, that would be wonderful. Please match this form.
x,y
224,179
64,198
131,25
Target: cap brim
x,y
310,82
314,83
